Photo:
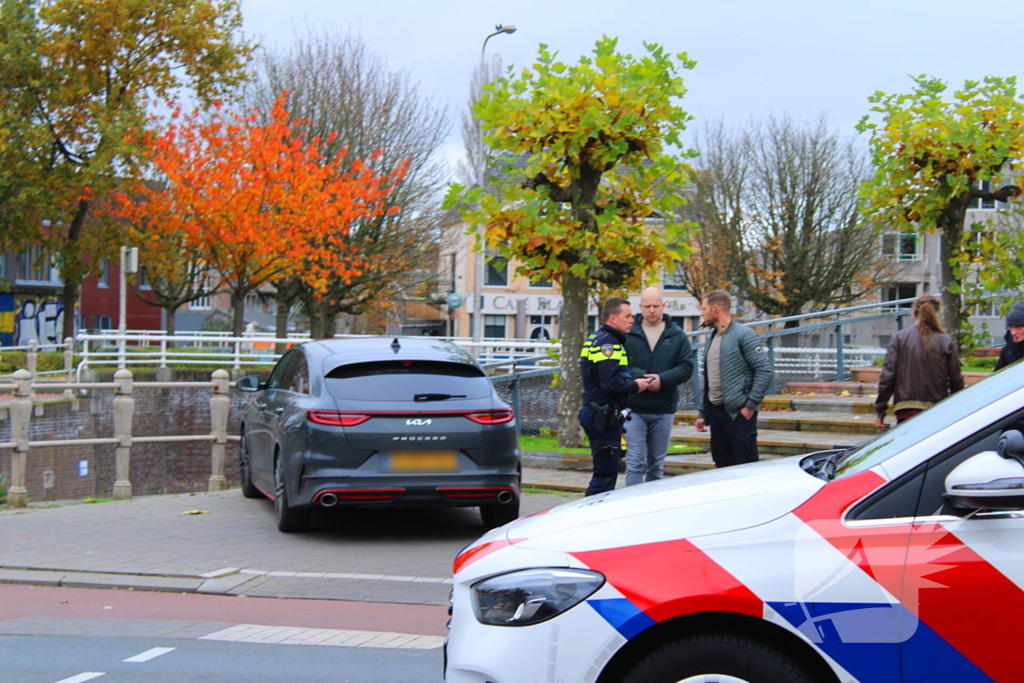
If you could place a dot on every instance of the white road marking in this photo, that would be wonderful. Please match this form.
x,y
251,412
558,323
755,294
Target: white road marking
x,y
252,633
81,678
149,654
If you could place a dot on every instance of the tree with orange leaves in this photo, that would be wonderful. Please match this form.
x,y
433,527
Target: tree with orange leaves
x,y
254,201
74,76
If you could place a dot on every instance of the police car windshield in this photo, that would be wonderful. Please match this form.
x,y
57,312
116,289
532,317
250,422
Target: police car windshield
x,y
934,420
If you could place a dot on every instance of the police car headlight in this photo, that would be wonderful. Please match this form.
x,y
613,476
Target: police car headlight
x,y
531,596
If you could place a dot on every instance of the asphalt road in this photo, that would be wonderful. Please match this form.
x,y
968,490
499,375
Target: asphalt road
x,y
53,659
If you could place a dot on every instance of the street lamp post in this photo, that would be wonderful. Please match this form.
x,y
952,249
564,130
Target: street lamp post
x,y
129,264
478,262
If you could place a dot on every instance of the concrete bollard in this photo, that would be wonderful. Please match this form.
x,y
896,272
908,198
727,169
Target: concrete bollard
x,y
124,406
32,357
69,359
21,415
220,405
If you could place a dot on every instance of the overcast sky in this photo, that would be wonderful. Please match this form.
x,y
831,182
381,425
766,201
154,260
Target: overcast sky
x,y
753,57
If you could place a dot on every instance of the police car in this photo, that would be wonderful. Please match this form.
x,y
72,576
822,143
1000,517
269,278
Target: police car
x,y
900,560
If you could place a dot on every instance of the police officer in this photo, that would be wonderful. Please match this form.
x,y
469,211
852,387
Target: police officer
x,y
606,383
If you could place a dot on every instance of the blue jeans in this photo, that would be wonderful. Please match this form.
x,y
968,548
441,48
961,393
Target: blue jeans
x,y
647,438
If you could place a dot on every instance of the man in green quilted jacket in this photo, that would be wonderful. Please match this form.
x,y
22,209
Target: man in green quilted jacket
x,y
737,375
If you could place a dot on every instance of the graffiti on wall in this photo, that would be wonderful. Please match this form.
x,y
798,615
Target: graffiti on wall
x,y
6,320
38,319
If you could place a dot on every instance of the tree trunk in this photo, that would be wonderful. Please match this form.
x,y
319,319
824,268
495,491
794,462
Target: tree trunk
x,y
284,306
71,270
573,323
316,318
951,226
330,319
69,302
169,326
238,304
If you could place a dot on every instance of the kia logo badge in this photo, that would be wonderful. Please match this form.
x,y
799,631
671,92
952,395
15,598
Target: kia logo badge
x,y
418,422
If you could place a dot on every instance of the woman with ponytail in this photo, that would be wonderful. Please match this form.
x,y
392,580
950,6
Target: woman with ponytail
x,y
922,365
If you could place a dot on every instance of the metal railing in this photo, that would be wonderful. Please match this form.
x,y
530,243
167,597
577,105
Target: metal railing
x,y
164,351
20,411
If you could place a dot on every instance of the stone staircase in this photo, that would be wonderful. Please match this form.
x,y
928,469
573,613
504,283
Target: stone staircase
x,y
813,416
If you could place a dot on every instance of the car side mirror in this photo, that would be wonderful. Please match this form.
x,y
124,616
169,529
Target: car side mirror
x,y
250,383
986,481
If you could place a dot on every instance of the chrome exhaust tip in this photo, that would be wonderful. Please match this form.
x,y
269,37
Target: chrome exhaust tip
x,y
505,497
328,500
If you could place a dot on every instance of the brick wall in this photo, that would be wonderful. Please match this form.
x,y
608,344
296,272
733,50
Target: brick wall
x,y
155,468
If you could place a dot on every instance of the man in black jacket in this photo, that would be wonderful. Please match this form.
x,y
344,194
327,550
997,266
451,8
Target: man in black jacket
x,y
658,348
606,384
1014,349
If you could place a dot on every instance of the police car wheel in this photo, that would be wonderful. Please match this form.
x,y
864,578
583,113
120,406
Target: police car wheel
x,y
716,658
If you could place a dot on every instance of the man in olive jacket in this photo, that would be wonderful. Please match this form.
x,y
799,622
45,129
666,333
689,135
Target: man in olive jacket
x,y
737,376
658,348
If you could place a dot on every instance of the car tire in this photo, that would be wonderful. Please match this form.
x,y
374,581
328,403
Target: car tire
x,y
289,519
497,514
716,657
249,489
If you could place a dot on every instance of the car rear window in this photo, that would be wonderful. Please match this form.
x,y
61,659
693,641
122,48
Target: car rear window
x,y
404,379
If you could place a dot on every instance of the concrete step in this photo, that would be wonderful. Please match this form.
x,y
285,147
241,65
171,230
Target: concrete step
x,y
824,403
573,462
804,421
772,442
871,375
834,388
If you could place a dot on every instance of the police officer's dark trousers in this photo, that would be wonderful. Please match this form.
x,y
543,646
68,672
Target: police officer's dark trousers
x,y
606,450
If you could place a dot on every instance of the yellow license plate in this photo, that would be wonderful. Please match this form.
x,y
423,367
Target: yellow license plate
x,y
422,461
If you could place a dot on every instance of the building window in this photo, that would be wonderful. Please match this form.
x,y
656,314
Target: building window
x,y
540,281
673,278
496,272
104,280
36,266
986,186
591,324
143,279
253,302
104,322
494,326
542,327
901,246
897,292
205,281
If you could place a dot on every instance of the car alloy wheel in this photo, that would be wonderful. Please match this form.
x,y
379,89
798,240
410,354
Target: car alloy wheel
x,y
289,519
249,489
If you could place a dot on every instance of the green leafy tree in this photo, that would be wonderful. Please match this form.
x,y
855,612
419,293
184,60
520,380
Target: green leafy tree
x,y
934,157
75,78
588,191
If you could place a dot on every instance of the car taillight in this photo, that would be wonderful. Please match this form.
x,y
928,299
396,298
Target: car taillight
x,y
491,417
336,419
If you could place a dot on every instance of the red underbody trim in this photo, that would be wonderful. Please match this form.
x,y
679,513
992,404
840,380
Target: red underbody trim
x,y
473,491
360,494
265,492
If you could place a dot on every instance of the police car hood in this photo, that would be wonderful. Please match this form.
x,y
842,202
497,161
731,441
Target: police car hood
x,y
700,504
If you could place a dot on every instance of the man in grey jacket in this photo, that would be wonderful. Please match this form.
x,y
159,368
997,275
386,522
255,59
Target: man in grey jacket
x,y
737,375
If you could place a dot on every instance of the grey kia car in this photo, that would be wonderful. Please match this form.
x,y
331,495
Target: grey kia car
x,y
379,421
